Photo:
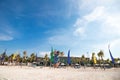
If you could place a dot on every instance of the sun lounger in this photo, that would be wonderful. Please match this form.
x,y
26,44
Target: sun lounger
x,y
77,65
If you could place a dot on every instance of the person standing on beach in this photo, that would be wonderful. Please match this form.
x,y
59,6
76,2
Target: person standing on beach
x,y
56,60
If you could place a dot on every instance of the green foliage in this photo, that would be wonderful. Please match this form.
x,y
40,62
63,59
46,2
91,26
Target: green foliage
x,y
6,58
46,59
101,55
93,54
32,57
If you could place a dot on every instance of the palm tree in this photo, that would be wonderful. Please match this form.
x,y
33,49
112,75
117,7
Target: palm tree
x,y
24,56
6,58
11,57
83,60
99,58
108,61
101,54
32,57
46,59
18,58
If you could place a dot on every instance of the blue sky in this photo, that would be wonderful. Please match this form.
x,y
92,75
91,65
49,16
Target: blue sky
x,y
83,26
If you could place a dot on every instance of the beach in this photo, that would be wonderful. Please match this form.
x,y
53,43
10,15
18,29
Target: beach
x,y
47,73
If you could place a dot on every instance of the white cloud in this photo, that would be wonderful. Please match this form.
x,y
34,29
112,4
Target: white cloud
x,y
5,37
80,32
59,40
78,22
80,28
91,4
101,24
81,24
7,32
96,14
111,24
93,30
115,43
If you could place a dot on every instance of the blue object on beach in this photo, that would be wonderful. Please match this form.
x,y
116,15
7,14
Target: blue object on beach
x,y
111,57
56,57
3,55
111,54
68,59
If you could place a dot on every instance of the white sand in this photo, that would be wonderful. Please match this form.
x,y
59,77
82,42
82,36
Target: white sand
x,y
46,73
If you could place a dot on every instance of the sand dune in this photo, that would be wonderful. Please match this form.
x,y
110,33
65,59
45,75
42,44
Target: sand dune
x,y
47,73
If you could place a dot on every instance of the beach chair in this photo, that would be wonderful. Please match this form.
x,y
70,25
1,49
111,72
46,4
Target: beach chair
x,y
77,66
62,65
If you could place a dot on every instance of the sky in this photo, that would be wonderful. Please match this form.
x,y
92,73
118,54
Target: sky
x,y
81,26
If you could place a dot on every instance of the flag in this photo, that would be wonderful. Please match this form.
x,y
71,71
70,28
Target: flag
x,y
52,55
111,55
68,58
94,59
14,56
3,55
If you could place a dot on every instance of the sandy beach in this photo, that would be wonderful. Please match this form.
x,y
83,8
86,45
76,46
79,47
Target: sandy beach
x,y
47,73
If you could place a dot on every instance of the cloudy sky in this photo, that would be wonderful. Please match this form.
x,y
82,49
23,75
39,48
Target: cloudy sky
x,y
83,26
